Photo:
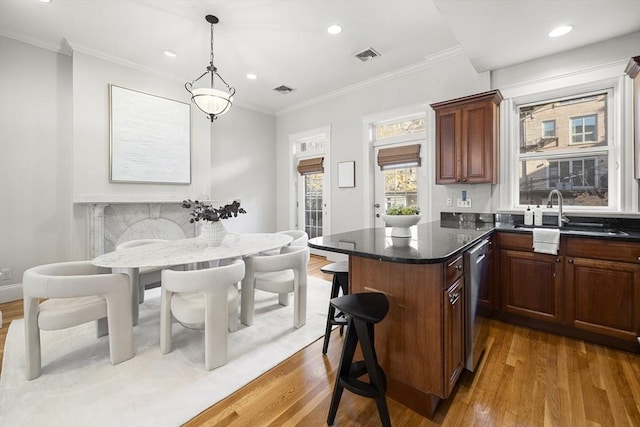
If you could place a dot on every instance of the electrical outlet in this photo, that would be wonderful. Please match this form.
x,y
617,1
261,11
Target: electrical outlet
x,y
463,203
5,274
449,201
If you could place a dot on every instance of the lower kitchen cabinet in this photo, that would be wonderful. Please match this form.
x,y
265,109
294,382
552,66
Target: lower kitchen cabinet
x,y
454,301
531,285
603,287
590,290
602,297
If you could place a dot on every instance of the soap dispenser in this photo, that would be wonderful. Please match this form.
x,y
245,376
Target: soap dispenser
x,y
537,215
528,216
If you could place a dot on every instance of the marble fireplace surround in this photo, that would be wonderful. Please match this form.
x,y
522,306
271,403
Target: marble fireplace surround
x,y
111,221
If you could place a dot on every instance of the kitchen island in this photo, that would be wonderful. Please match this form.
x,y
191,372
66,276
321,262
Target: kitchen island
x,y
420,345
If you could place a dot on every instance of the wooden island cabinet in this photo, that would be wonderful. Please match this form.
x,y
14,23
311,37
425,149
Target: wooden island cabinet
x,y
421,346
467,139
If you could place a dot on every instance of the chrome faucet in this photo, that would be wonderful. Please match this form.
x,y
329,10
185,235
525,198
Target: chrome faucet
x,y
561,218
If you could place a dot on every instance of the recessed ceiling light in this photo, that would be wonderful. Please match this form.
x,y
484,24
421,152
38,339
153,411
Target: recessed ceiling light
x,y
334,29
251,76
170,53
45,1
560,31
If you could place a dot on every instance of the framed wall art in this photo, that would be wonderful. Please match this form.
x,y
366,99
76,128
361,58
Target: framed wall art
x,y
150,138
346,174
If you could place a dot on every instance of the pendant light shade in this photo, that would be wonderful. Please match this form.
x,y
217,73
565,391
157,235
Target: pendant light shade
x,y
210,100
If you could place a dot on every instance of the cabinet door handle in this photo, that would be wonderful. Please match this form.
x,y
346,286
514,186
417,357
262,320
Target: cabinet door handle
x,y
464,179
570,261
453,298
459,267
457,179
557,259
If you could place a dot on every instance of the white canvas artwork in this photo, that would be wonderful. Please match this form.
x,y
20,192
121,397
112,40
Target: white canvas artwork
x,y
150,138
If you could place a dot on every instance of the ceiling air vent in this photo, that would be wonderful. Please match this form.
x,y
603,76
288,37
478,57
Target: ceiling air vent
x,y
367,54
283,89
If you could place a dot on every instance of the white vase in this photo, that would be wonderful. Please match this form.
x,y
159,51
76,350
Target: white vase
x,y
213,233
400,224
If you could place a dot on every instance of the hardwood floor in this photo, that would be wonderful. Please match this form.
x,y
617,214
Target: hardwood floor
x,y
526,378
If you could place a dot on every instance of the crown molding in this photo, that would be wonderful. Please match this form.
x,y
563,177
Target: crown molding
x,y
61,48
427,62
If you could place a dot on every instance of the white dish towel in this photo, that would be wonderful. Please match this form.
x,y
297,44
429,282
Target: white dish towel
x,y
546,240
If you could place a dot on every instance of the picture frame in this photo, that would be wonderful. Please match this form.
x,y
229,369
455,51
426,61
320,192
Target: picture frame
x,y
149,138
347,174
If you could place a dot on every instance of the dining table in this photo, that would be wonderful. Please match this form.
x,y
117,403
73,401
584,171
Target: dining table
x,y
188,251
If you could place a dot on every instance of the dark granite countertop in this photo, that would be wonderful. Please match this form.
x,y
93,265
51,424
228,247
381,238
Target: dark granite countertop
x,y
431,242
436,241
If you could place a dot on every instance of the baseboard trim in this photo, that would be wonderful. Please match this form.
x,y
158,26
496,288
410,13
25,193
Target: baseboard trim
x,y
11,292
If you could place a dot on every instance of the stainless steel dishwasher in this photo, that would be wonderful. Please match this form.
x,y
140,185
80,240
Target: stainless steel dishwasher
x,y
476,261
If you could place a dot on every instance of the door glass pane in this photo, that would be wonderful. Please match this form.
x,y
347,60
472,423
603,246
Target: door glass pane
x,y
313,204
401,187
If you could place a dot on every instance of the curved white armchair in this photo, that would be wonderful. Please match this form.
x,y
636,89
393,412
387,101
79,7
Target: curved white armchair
x,y
77,292
281,274
199,299
147,275
300,237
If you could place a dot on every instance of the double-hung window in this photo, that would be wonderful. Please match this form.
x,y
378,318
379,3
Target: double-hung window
x,y
565,144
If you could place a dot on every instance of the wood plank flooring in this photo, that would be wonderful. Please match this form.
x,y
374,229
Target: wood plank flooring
x,y
526,378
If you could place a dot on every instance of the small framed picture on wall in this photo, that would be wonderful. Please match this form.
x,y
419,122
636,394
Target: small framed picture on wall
x,y
346,174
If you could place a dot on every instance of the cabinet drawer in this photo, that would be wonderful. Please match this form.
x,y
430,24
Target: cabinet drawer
x,y
453,269
611,250
515,241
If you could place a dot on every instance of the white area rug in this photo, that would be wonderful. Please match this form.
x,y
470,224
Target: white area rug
x,y
79,387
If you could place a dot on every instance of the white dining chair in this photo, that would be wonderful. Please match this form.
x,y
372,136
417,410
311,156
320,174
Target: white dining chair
x,y
148,277
202,299
300,238
282,274
76,293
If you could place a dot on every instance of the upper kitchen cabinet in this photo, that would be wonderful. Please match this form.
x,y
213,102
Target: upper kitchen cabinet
x,y
467,139
633,71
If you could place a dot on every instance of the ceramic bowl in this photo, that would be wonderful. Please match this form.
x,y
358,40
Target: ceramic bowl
x,y
400,224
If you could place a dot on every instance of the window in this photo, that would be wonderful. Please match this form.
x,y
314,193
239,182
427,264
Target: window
x,y
583,129
548,128
573,158
405,127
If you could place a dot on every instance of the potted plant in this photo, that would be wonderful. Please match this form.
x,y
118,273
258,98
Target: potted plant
x,y
400,218
212,229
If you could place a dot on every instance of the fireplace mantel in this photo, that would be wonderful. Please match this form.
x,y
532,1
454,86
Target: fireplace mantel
x,y
112,220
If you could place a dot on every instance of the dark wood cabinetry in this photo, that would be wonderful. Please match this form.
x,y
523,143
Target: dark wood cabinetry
x,y
603,287
420,344
633,71
531,285
591,290
467,139
453,334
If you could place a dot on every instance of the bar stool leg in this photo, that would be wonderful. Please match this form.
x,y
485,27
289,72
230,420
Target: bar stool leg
x,y
348,351
335,289
366,337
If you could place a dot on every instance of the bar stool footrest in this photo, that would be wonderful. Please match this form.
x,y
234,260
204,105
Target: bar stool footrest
x,y
354,385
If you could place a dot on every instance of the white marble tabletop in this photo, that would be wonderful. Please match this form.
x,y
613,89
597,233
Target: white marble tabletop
x,y
187,251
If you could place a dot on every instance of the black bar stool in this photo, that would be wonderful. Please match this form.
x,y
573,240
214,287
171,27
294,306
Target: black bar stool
x,y
363,311
340,271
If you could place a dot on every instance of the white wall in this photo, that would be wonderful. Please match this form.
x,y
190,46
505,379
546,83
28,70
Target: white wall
x,y
35,157
59,150
243,159
91,77
448,79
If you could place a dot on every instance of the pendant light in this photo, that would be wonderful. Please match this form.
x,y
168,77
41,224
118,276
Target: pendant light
x,y
211,101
